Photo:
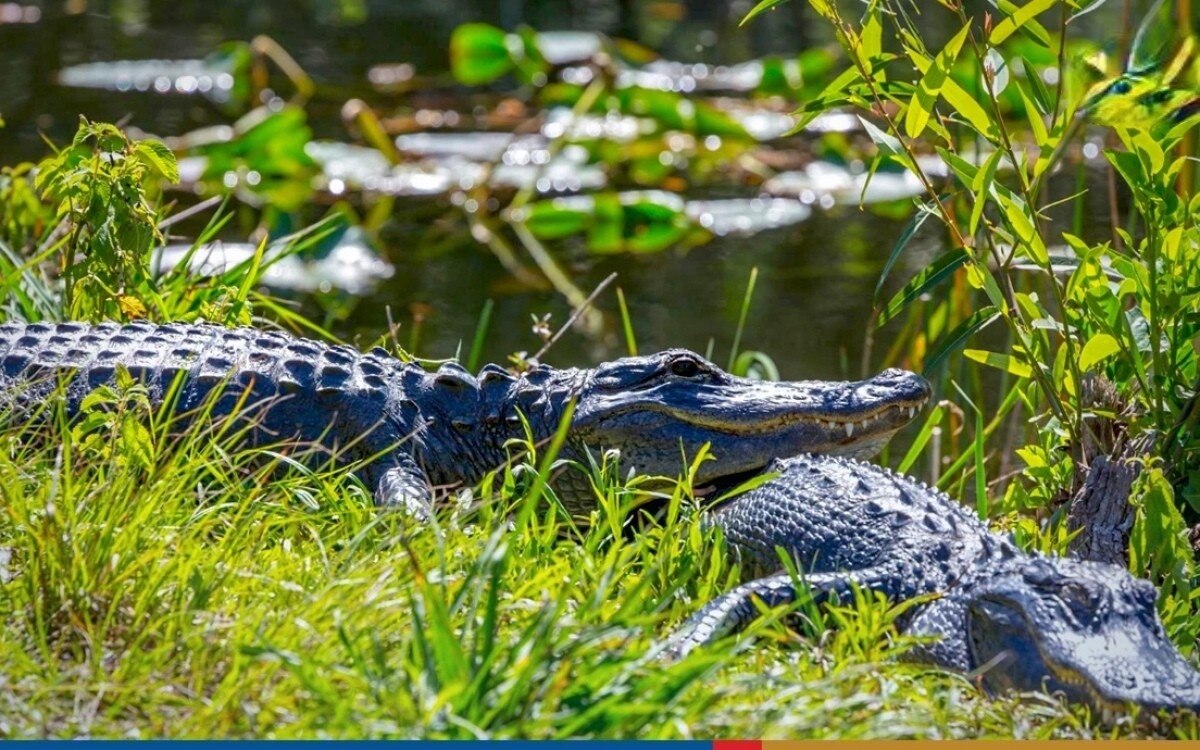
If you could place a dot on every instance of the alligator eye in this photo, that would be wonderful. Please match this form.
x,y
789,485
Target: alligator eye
x,y
685,368
1121,87
1083,601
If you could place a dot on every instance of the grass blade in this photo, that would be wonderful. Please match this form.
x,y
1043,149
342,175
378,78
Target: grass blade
x,y
481,328
626,324
737,335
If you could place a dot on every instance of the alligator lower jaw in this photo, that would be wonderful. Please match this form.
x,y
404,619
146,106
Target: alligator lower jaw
x,y
716,491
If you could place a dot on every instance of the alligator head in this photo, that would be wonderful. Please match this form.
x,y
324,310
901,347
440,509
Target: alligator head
x,y
659,410
1087,630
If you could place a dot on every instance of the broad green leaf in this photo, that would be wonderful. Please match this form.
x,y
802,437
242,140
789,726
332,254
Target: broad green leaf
x,y
549,221
158,157
607,230
1006,362
1098,348
929,277
920,107
1158,541
479,53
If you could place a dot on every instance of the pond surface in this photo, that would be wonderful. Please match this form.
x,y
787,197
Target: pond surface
x,y
816,279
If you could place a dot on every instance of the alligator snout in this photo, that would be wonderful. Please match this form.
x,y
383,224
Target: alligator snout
x,y
900,385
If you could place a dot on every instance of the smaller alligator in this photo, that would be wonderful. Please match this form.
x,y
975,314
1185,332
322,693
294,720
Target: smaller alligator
x,y
1018,620
412,431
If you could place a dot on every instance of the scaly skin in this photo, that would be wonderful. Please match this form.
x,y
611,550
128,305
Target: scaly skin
x,y
1020,621
426,430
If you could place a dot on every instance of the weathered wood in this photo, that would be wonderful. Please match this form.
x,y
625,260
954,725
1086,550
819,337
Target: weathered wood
x,y
1101,512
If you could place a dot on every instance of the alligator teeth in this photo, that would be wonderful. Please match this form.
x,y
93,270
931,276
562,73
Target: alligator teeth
x,y
849,429
912,412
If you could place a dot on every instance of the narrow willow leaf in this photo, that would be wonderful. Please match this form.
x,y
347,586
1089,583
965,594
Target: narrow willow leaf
x,y
1021,223
914,224
954,340
1017,19
964,104
1038,87
981,186
887,145
1006,362
920,107
1021,18
872,34
928,278
759,9
834,92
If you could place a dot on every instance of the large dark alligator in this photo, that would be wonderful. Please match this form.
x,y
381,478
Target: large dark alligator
x,y
1017,620
413,431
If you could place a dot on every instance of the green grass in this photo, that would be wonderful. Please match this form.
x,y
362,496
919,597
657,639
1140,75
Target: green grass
x,y
181,587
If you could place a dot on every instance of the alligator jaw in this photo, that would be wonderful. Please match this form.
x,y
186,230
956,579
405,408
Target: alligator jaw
x,y
655,420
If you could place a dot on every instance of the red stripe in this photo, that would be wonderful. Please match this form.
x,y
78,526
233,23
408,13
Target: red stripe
x,y
737,744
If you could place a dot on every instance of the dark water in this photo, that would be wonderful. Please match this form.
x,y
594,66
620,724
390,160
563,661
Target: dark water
x,y
814,292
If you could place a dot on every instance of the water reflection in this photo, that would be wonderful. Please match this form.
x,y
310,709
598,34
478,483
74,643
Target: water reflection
x,y
817,278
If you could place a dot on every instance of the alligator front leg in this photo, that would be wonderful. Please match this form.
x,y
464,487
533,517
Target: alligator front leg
x,y
403,486
734,611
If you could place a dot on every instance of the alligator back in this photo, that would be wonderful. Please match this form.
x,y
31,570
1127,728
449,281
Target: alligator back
x,y
834,515
294,390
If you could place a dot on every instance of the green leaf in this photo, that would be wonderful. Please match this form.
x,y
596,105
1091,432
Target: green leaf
x,y
1005,362
1098,348
756,364
1042,96
1021,223
981,187
158,157
479,53
834,92
920,107
1158,541
762,7
549,221
1017,19
964,104
906,236
954,340
887,145
929,277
